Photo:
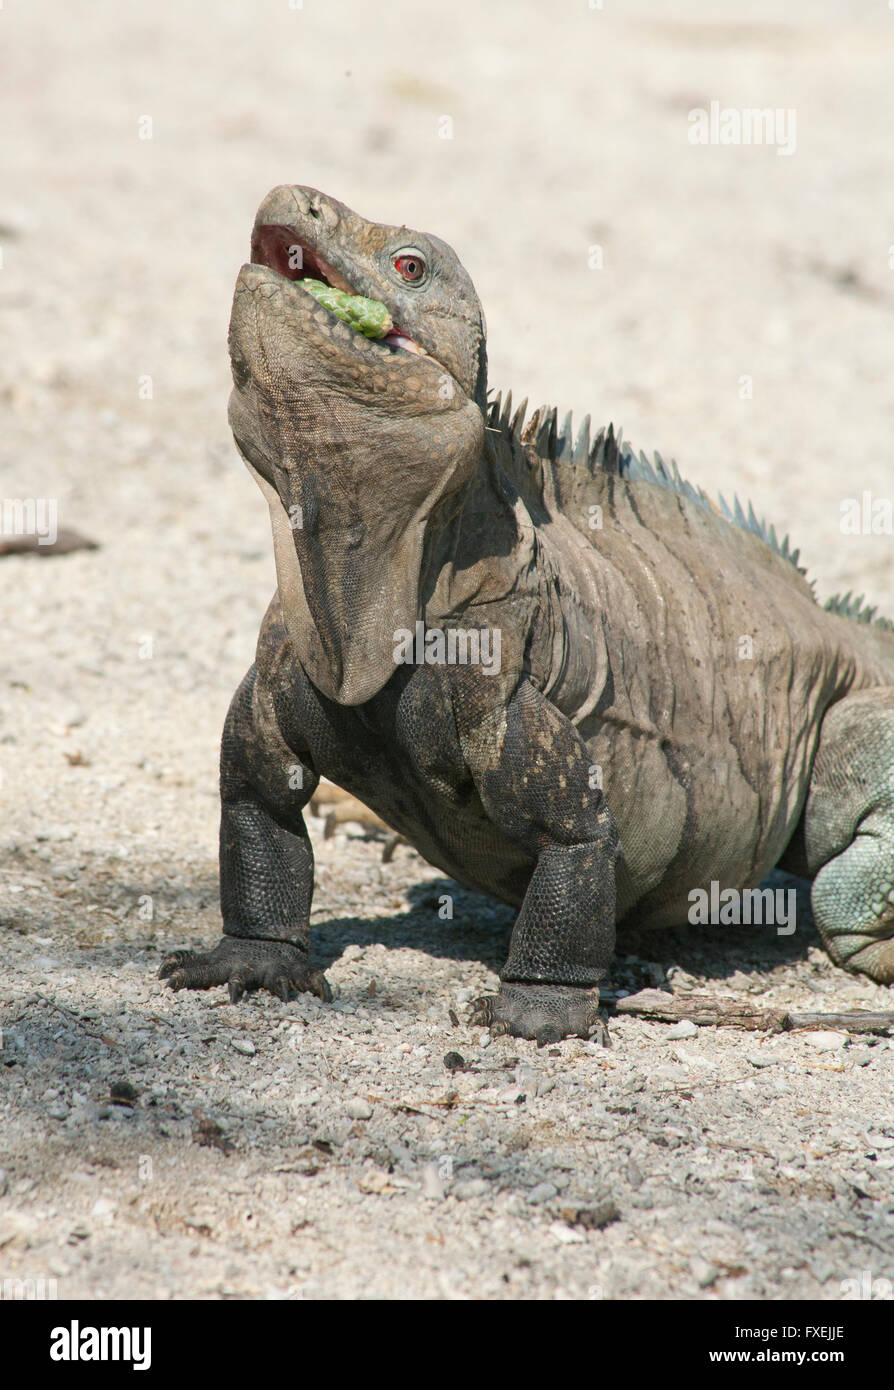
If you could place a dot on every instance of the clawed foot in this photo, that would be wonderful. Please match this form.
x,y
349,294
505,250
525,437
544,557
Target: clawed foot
x,y
245,965
875,960
546,1013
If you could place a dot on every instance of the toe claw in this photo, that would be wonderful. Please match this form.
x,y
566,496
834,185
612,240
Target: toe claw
x,y
171,963
320,986
482,1012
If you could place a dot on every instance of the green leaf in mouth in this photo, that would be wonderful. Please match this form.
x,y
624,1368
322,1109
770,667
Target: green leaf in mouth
x,y
367,316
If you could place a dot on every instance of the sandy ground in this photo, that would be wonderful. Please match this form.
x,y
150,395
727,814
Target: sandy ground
x,y
354,1163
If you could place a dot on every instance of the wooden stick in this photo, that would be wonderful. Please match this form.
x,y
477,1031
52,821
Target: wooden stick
x,y
705,1010
854,1021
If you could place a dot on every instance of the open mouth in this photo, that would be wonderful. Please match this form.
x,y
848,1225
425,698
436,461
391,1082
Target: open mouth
x,y
278,248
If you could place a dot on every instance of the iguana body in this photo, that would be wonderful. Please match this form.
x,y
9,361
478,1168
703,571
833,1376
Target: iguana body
x,y
671,706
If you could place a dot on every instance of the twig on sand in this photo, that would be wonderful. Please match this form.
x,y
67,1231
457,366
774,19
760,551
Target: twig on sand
x,y
705,1010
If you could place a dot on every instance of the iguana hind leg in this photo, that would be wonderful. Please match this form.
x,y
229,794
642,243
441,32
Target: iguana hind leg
x,y
849,833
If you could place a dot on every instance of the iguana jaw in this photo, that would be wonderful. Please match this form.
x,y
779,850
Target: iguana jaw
x,y
282,250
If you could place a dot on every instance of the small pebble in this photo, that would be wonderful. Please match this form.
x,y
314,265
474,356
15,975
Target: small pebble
x,y
566,1235
634,1175
692,1059
684,1029
471,1187
56,833
432,1187
594,1218
123,1093
375,1181
825,1040
243,1045
543,1192
703,1273
359,1109
762,1059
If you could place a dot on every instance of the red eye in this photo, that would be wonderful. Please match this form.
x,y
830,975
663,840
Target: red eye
x,y
409,264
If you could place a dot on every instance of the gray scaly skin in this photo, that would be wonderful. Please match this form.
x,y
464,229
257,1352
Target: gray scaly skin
x,y
671,706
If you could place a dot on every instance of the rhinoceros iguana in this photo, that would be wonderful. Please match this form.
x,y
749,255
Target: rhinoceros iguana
x,y
565,675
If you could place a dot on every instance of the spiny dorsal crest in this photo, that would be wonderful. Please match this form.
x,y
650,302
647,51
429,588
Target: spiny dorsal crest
x,y
607,452
603,452
848,607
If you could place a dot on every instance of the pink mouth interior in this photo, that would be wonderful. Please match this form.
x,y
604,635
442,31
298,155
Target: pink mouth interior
x,y
278,247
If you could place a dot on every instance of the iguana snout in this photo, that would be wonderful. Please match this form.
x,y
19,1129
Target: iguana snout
x,y
302,234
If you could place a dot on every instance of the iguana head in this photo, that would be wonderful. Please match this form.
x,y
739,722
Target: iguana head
x,y
365,446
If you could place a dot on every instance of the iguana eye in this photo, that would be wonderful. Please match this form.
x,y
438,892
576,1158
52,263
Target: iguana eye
x,y
410,264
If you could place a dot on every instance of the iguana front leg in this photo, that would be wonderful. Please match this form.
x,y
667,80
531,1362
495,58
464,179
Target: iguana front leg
x,y
266,862
533,774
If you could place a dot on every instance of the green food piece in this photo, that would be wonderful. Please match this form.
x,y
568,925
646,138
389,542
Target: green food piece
x,y
323,294
367,316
